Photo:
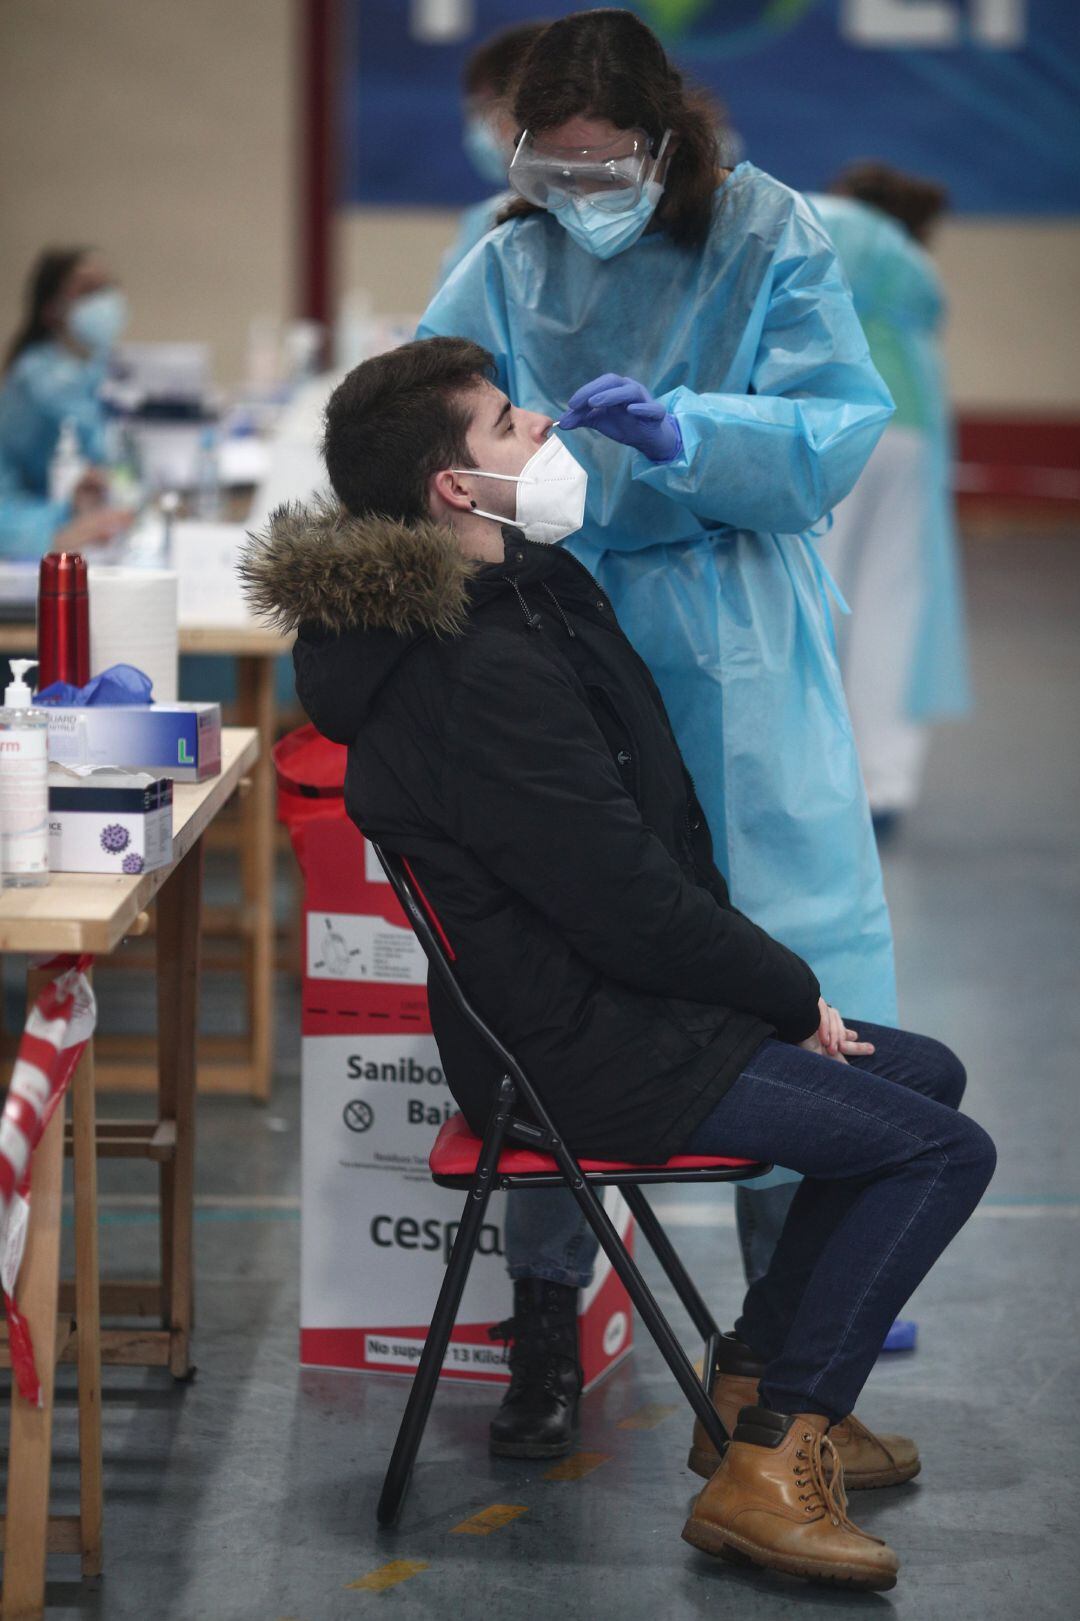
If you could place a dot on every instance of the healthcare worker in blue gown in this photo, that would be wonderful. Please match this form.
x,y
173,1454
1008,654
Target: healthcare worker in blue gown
x,y
693,330
893,547
53,372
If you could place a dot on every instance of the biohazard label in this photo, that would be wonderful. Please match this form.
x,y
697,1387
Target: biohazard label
x,y
341,946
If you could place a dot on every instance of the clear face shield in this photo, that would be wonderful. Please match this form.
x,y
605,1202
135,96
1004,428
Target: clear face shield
x,y
611,178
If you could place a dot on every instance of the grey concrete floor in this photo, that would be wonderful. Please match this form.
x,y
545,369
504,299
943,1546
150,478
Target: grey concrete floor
x,y
249,1495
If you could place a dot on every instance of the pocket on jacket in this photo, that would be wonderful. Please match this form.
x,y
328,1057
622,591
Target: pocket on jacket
x,y
617,736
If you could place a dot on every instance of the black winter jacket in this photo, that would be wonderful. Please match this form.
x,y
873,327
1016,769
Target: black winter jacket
x,y
506,738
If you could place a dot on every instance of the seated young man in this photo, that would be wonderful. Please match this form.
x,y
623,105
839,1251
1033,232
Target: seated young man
x,y
506,738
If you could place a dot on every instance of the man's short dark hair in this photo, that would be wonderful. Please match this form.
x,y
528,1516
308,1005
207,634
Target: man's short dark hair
x,y
398,418
490,69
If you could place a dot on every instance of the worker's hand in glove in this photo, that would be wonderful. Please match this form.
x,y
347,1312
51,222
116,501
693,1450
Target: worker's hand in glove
x,y
624,410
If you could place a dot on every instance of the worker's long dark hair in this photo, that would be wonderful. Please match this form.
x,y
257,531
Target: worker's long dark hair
x,y
45,281
608,64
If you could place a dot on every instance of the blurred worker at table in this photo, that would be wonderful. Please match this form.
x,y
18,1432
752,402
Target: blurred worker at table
x,y
893,544
490,132
53,371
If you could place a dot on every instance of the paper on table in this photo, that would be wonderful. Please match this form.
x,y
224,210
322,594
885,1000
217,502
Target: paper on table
x,y
133,621
104,776
18,581
205,556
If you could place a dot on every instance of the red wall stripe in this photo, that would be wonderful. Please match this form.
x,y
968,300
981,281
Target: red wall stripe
x,y
1025,458
319,30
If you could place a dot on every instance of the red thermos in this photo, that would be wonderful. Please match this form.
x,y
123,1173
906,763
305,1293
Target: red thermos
x,y
63,620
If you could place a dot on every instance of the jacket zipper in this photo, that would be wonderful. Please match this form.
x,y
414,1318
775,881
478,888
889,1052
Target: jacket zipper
x,y
570,631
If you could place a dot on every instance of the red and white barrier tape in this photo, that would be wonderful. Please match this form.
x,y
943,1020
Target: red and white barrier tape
x,y
59,1025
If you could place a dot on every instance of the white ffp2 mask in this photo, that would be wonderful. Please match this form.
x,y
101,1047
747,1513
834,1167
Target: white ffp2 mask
x,y
550,494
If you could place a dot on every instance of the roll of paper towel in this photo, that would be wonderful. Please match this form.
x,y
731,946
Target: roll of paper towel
x,y
133,621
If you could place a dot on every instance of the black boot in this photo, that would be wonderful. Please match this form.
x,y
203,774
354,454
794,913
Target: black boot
x,y
539,1411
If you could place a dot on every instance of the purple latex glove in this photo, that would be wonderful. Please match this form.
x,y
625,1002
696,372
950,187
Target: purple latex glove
x,y
624,410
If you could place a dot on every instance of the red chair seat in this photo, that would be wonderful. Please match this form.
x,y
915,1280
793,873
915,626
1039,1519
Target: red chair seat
x,y
456,1152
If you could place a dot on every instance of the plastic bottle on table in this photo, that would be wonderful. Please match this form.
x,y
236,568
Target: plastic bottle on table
x,y
124,461
208,479
67,465
24,785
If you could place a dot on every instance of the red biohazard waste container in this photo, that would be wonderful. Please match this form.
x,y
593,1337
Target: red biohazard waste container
x,y
310,769
375,1230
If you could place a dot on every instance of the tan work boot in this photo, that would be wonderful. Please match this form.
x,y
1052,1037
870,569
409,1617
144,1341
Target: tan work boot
x,y
873,1460
869,1460
735,1387
778,1500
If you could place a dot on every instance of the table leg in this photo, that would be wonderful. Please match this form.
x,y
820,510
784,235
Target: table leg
x,y
256,703
30,1453
87,1310
178,913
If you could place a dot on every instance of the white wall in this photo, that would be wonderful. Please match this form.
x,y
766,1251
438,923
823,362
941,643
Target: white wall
x,y
1013,339
161,131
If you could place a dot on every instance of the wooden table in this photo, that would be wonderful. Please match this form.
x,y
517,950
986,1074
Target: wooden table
x,y
227,1064
92,912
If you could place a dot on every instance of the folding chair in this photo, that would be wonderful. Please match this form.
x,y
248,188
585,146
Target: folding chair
x,y
480,1165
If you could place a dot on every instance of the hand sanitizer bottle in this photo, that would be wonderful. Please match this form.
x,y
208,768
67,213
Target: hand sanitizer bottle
x,y
24,785
67,465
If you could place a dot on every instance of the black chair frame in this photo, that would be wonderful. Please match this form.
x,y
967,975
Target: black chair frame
x,y
539,1132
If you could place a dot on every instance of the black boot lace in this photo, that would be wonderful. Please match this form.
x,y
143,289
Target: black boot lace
x,y
503,1333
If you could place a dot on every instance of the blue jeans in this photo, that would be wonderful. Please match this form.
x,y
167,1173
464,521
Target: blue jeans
x,y
891,1173
548,1237
760,1214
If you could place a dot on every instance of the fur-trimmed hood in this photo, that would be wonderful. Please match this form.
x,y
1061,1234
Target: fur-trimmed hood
x,y
365,590
319,565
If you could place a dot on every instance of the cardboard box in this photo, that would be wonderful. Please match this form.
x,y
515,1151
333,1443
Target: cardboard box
x,y
375,1229
180,741
101,820
376,1232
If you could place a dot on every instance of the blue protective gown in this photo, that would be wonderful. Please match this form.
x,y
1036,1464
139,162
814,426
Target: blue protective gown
x,y
475,222
46,386
901,304
753,343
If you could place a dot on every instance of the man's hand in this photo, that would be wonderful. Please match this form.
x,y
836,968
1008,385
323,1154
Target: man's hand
x,y
833,1039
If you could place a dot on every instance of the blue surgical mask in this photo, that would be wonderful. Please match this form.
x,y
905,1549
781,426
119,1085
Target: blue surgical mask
x,y
603,233
98,319
484,150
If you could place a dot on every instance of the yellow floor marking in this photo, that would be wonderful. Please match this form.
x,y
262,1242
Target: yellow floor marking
x,y
581,1464
377,1581
490,1519
647,1418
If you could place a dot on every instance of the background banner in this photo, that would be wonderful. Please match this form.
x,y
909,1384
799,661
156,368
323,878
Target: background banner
x,y
982,95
